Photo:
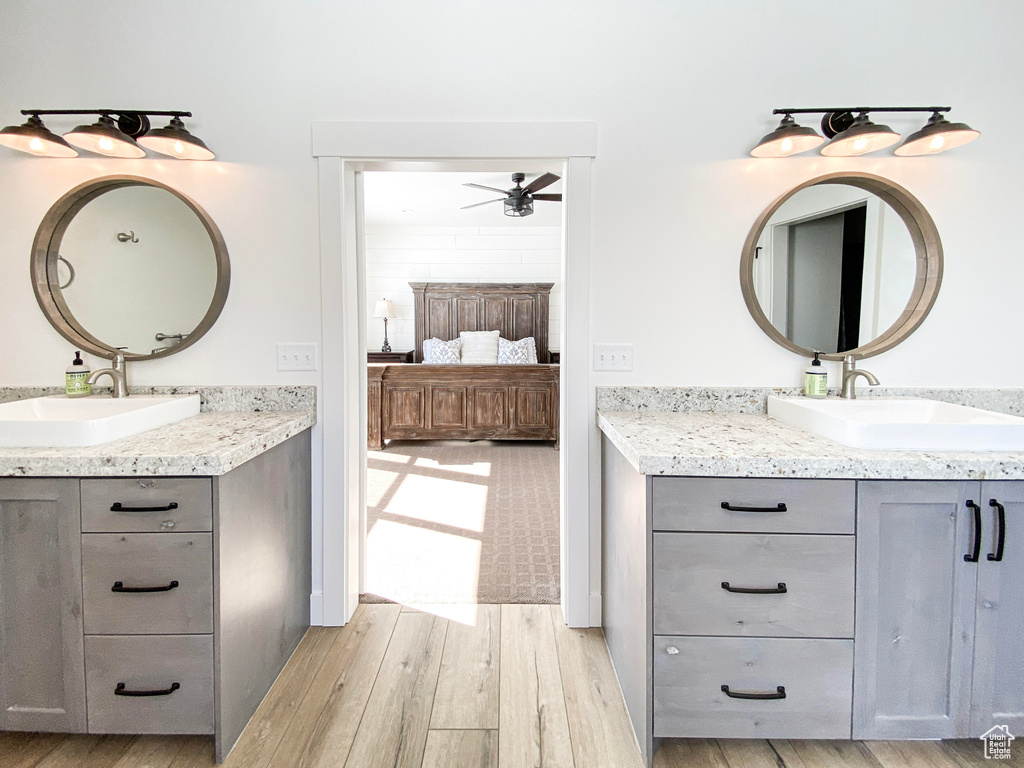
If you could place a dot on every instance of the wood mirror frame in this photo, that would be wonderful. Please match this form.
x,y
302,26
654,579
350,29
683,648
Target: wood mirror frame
x,y
46,254
926,244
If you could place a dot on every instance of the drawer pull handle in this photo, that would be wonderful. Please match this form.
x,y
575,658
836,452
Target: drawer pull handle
x,y
780,693
117,506
120,587
975,553
779,590
780,507
1001,536
120,690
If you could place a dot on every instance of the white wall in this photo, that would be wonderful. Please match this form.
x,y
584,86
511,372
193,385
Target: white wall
x,y
680,89
397,255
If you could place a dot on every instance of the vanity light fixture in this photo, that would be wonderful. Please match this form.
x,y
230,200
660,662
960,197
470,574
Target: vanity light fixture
x,y
34,137
107,137
857,135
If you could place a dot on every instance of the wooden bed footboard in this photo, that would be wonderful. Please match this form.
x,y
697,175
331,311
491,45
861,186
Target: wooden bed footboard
x,y
464,402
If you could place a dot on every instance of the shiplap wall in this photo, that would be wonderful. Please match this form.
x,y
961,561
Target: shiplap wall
x,y
397,255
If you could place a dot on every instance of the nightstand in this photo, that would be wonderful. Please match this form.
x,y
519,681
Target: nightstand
x,y
388,357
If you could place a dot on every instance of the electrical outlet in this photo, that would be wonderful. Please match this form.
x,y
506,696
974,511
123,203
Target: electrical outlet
x,y
296,357
613,357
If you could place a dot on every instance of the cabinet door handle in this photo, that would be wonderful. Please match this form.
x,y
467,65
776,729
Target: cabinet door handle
x,y
120,587
779,590
1001,536
121,690
777,508
975,553
117,506
780,693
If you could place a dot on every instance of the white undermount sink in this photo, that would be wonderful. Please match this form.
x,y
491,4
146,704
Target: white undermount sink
x,y
904,423
64,422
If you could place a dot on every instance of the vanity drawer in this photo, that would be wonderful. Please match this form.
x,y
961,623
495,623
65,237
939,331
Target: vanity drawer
x,y
147,561
152,663
158,504
817,573
816,675
807,506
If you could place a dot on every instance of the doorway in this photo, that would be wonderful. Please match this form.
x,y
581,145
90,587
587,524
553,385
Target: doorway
x,y
342,149
452,522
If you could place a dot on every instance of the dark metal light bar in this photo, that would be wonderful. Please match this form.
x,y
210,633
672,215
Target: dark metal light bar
x,y
172,113
825,110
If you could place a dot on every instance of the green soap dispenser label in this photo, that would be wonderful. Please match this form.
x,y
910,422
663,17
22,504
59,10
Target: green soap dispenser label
x,y
77,384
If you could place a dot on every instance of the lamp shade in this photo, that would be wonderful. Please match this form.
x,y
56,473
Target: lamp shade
x,y
938,135
860,138
788,139
104,138
34,138
176,141
385,308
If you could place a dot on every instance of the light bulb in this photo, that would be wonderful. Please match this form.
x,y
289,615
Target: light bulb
x,y
860,145
105,144
786,146
179,149
937,143
36,146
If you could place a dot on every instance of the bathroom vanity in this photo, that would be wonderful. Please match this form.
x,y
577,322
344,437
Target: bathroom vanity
x,y
155,584
762,582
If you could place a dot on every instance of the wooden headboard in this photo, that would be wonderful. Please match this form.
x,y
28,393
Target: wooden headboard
x,y
517,310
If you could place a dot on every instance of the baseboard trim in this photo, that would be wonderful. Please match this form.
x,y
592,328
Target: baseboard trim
x,y
316,609
595,609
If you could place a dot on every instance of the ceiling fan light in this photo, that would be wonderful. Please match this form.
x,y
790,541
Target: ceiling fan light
x,y
104,138
176,141
34,138
518,206
788,139
860,138
938,135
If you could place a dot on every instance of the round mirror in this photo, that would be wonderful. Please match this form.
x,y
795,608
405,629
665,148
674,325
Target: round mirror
x,y
126,263
845,264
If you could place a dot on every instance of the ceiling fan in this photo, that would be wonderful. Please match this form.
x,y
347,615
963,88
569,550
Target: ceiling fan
x,y
519,200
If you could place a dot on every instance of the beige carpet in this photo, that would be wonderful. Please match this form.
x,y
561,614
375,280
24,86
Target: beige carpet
x,y
452,521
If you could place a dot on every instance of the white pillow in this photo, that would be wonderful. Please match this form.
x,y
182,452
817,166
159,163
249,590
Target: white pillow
x,y
438,352
480,347
519,352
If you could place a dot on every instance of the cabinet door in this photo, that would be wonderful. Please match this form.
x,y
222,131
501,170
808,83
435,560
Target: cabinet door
x,y
42,672
914,609
998,689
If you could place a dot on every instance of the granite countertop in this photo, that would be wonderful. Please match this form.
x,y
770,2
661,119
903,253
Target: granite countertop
x,y
211,443
756,445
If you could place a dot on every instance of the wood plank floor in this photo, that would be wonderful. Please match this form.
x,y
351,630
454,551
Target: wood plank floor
x,y
512,688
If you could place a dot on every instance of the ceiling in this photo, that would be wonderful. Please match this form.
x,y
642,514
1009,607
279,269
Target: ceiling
x,y
435,198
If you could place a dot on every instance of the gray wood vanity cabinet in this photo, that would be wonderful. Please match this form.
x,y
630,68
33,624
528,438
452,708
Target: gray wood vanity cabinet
x,y
730,606
152,605
940,609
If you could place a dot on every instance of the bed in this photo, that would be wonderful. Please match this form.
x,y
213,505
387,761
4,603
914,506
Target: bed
x,y
420,401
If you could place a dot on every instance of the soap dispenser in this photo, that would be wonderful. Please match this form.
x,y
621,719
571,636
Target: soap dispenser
x,y
76,378
815,379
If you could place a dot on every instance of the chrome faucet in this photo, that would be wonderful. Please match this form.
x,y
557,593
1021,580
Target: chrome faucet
x,y
118,373
850,374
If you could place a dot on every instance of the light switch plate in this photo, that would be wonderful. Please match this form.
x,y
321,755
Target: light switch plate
x,y
296,357
613,357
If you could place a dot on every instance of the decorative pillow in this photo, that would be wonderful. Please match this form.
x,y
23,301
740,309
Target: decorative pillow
x,y
519,352
480,347
438,352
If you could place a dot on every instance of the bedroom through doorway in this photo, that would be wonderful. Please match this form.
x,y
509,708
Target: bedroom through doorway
x,y
462,469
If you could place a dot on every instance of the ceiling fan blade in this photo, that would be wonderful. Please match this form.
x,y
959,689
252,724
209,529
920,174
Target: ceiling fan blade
x,y
540,182
542,196
489,189
485,202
